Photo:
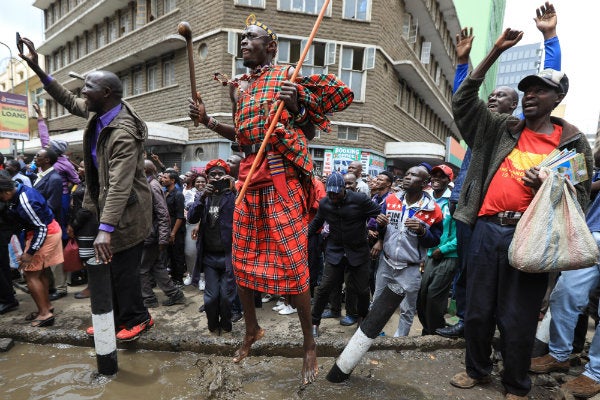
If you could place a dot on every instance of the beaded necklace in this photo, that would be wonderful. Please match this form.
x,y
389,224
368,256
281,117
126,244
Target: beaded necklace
x,y
224,79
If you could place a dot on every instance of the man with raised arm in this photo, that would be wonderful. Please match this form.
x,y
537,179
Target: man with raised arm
x,y
501,182
116,191
270,223
502,100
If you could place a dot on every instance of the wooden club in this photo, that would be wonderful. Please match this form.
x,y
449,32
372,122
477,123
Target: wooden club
x,y
185,30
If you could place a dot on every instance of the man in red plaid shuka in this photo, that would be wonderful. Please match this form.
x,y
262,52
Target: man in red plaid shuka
x,y
270,224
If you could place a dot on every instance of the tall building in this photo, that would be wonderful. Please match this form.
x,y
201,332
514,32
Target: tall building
x,y
486,18
397,56
515,64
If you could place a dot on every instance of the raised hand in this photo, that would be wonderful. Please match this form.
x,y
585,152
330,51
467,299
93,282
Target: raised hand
x,y
508,39
546,20
32,57
464,42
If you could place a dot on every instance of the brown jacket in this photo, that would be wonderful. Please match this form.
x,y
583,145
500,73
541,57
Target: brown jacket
x,y
117,191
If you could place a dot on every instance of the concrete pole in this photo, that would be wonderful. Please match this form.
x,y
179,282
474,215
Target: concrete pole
x,y
103,320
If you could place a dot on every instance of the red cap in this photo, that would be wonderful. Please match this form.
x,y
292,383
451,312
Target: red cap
x,y
217,163
445,169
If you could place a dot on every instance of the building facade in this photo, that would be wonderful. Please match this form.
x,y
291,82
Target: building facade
x,y
397,56
515,64
486,18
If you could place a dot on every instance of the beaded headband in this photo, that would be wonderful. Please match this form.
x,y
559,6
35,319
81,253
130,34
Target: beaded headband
x,y
251,20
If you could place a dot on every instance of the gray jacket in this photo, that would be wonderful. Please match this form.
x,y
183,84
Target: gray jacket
x,y
492,136
117,191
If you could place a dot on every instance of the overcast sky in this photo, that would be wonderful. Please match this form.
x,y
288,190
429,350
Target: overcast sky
x,y
578,30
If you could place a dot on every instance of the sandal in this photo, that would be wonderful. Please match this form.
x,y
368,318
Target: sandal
x,y
39,323
34,314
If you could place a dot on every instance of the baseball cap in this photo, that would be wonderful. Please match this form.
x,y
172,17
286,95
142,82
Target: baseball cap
x,y
445,169
549,77
335,182
425,165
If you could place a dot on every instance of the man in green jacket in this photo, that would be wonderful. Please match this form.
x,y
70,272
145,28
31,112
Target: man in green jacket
x,y
116,188
500,184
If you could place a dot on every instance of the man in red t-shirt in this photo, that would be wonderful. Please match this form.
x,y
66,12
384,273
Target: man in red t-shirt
x,y
500,184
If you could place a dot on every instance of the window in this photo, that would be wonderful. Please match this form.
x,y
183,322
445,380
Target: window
x,y
152,76
319,56
126,82
426,52
355,61
168,72
304,6
357,9
410,28
347,132
151,10
82,49
138,81
91,41
170,5
113,32
234,42
250,3
125,22
101,35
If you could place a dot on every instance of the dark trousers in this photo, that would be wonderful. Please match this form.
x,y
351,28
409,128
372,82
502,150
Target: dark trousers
x,y
7,294
315,260
177,257
219,291
432,301
498,294
333,275
128,305
463,238
153,265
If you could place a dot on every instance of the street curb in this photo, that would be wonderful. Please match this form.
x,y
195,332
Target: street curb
x,y
224,346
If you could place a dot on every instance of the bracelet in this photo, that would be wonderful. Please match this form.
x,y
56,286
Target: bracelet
x,y
212,124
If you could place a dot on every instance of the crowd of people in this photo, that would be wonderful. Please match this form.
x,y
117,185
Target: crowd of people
x,y
311,242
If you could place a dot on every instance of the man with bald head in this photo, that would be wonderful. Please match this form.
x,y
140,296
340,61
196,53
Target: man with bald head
x,y
355,168
116,192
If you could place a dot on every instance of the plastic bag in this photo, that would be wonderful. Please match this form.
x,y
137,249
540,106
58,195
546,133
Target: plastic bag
x,y
72,261
552,234
14,251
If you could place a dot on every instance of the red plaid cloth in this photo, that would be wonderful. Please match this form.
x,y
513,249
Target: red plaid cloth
x,y
270,251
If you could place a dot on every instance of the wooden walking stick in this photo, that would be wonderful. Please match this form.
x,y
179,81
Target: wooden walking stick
x,y
280,105
185,30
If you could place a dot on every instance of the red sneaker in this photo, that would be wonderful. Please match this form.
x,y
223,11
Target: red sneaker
x,y
134,333
90,330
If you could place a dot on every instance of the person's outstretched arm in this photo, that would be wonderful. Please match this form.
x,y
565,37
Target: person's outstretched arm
x,y
464,43
546,21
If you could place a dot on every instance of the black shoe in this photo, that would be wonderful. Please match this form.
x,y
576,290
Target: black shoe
x,y
348,320
453,332
201,309
7,307
151,303
236,316
331,314
176,298
57,295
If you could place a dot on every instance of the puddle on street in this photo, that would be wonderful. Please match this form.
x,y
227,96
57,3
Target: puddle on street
x,y
30,371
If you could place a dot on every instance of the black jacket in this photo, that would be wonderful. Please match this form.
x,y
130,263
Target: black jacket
x,y
347,227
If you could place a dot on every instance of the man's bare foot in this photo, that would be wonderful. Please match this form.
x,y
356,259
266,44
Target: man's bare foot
x,y
249,340
310,369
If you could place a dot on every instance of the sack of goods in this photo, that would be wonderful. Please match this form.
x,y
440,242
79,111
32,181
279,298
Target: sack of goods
x,y
552,234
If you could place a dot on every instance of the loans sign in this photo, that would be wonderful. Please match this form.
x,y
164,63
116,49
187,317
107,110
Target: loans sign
x,y
14,121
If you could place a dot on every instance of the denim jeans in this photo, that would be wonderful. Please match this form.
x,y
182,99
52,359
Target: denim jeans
x,y
568,299
410,279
